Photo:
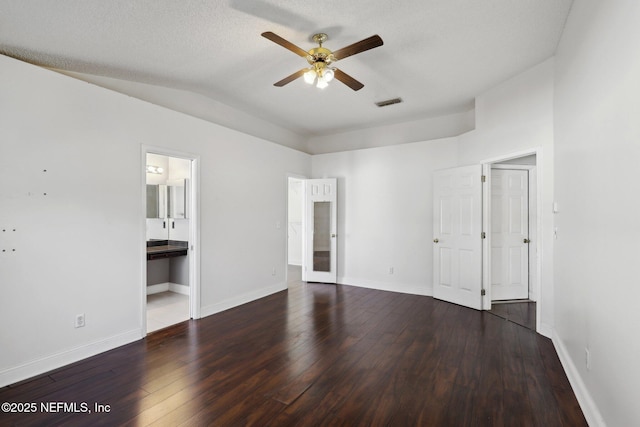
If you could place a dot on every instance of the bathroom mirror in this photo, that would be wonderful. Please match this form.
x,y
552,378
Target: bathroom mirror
x,y
177,199
156,201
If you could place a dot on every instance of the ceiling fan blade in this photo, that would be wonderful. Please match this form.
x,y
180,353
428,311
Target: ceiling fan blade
x,y
347,79
361,46
285,43
291,78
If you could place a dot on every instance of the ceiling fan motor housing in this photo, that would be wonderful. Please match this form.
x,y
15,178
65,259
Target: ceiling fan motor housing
x,y
320,54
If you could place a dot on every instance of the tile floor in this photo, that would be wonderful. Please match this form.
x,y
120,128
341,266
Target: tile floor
x,y
166,309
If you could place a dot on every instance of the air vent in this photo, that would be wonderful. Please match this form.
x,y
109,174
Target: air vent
x,y
389,102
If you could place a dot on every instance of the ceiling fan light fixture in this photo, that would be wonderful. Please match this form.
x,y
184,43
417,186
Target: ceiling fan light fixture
x,y
327,74
310,76
322,83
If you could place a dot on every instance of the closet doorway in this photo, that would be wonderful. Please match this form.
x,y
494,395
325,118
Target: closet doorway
x,y
514,243
169,294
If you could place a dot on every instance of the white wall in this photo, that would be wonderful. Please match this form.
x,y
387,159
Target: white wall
x,y
517,117
597,139
294,217
198,105
384,194
385,213
422,129
79,249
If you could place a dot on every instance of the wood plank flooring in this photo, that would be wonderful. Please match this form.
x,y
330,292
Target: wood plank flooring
x,y
523,313
318,354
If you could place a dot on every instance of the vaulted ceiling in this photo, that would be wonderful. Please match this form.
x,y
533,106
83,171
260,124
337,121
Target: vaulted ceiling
x,y
207,58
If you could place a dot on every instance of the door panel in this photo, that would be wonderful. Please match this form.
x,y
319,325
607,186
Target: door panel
x,y
510,228
320,238
457,215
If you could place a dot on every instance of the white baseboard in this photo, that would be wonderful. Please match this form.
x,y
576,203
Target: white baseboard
x,y
156,289
545,330
54,361
387,286
179,289
168,286
241,299
588,406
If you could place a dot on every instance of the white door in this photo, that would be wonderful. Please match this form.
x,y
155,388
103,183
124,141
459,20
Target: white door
x,y
320,231
509,234
457,239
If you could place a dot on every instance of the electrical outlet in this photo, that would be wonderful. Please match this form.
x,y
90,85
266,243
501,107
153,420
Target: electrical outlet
x,y
390,270
80,320
273,271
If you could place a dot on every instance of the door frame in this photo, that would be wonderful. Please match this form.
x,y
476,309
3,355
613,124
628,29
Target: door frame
x,y
194,230
535,193
303,178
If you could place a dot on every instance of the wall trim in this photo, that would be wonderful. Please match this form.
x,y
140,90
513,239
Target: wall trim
x,y
588,406
168,286
66,357
241,299
180,289
157,288
404,288
545,330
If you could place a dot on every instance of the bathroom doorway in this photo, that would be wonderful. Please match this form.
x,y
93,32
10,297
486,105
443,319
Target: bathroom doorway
x,y
170,217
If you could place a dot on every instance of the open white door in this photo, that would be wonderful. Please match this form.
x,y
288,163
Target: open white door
x,y
509,234
457,238
320,231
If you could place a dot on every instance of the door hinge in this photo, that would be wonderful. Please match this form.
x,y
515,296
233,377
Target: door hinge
x,y
483,235
484,178
483,292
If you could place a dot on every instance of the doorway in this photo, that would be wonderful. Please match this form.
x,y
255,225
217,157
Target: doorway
x,y
462,234
514,243
509,233
311,230
295,211
169,285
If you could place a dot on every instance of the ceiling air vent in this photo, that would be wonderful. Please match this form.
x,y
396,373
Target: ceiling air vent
x,y
389,102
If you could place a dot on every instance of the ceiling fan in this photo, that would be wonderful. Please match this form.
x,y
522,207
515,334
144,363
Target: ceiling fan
x,y
320,58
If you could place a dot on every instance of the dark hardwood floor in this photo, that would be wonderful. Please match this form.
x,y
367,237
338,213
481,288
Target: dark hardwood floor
x,y
318,355
523,313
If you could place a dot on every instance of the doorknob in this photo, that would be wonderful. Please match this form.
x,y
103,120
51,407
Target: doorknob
x,y
435,240
333,235
527,240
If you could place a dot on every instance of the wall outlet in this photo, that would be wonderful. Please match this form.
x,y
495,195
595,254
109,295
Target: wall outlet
x,y
390,270
273,271
80,320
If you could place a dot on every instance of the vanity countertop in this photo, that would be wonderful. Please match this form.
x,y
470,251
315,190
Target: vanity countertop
x,y
158,249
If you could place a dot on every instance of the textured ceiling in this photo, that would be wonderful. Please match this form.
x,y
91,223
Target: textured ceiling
x,y
437,54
